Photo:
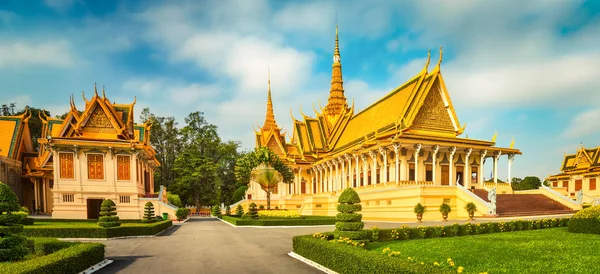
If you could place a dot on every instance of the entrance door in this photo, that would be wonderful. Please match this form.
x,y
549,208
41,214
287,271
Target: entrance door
x,y
460,175
578,184
93,208
445,175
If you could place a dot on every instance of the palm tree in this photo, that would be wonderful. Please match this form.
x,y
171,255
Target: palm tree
x,y
268,178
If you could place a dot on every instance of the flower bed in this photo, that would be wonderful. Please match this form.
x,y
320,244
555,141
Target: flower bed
x,y
50,256
305,220
279,214
92,230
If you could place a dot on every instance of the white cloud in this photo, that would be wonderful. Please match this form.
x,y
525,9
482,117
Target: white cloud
x,y
52,53
583,124
143,86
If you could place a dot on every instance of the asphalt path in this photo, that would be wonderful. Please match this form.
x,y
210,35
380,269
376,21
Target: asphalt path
x,y
207,245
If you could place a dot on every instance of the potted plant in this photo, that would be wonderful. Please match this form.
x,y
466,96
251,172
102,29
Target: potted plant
x,y
471,208
445,209
419,210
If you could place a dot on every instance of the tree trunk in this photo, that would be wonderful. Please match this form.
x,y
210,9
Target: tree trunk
x,y
268,200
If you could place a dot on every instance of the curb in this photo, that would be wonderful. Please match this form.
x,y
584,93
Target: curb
x,y
311,263
268,226
96,267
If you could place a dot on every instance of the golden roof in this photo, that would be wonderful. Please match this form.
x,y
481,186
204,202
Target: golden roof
x,y
586,160
14,135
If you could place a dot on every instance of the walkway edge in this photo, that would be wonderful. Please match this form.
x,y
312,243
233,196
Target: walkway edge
x,y
311,263
266,226
96,267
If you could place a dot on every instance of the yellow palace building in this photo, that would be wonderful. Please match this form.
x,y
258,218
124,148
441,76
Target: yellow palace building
x,y
90,155
580,174
404,149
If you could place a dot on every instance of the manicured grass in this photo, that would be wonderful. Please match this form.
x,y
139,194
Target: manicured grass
x,y
552,250
305,220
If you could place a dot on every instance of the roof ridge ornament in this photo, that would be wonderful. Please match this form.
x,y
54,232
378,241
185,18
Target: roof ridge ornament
x,y
95,89
441,57
428,60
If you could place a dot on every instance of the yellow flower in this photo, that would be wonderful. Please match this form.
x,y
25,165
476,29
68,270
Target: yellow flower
x,y
436,264
422,263
448,260
451,263
460,269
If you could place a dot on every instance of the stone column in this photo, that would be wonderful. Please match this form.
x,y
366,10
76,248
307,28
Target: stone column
x,y
383,152
373,155
336,181
35,195
436,148
313,183
319,180
330,177
397,171
496,157
299,180
349,181
467,175
451,166
356,170
511,157
417,150
365,179
481,168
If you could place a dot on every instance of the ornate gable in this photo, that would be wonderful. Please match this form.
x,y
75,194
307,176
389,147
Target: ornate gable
x,y
433,114
99,122
583,160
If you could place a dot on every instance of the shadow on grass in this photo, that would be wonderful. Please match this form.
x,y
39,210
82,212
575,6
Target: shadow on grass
x,y
119,263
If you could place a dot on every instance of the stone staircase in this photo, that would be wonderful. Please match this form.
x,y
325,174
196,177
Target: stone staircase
x,y
508,205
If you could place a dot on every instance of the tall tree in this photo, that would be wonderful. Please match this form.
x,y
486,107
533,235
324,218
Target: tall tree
x,y
228,157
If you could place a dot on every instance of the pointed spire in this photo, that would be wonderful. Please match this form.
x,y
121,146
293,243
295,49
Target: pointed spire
x,y
95,89
270,117
441,55
103,94
428,60
337,101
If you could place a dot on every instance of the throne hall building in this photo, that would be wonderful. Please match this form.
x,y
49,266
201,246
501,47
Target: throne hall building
x,y
406,148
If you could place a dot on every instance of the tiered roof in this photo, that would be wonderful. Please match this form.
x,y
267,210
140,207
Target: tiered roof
x,y
585,162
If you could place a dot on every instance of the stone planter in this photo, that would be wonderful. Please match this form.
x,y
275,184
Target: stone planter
x,y
420,217
445,216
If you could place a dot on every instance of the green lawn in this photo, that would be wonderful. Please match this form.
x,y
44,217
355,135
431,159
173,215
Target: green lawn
x,y
552,250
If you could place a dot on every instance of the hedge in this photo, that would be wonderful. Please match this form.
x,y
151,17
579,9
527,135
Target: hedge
x,y
95,232
586,221
349,259
52,220
27,221
306,220
408,233
72,259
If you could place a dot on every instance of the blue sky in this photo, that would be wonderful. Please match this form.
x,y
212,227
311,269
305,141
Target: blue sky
x,y
526,69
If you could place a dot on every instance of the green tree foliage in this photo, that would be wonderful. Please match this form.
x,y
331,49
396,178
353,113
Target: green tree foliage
x,y
252,211
264,167
529,182
239,194
239,210
174,199
216,211
227,210
348,205
108,214
148,213
12,247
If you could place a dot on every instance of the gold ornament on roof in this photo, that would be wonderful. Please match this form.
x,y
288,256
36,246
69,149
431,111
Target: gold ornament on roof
x,y
494,137
512,143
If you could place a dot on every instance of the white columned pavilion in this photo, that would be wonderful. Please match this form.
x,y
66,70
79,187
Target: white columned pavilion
x,y
357,174
373,155
365,163
383,152
511,157
349,181
496,158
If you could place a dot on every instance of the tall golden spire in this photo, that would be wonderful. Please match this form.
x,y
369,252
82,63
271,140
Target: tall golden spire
x,y
270,118
337,101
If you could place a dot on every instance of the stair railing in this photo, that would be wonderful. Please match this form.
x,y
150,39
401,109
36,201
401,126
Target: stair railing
x,y
566,200
594,200
489,207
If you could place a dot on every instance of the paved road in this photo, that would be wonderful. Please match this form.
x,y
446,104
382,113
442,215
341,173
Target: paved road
x,y
206,245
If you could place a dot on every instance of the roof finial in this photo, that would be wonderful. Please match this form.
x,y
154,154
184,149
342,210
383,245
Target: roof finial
x,y
134,100
72,102
441,55
103,94
336,51
428,60
83,95
95,89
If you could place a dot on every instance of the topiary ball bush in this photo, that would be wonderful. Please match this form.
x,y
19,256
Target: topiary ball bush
x,y
12,247
239,210
347,218
586,221
108,214
252,211
148,213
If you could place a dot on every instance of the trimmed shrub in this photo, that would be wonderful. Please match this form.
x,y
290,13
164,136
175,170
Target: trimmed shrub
x,y
148,213
252,211
239,210
216,211
586,221
347,219
227,210
182,213
73,258
279,214
108,214
60,231
12,247
261,207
